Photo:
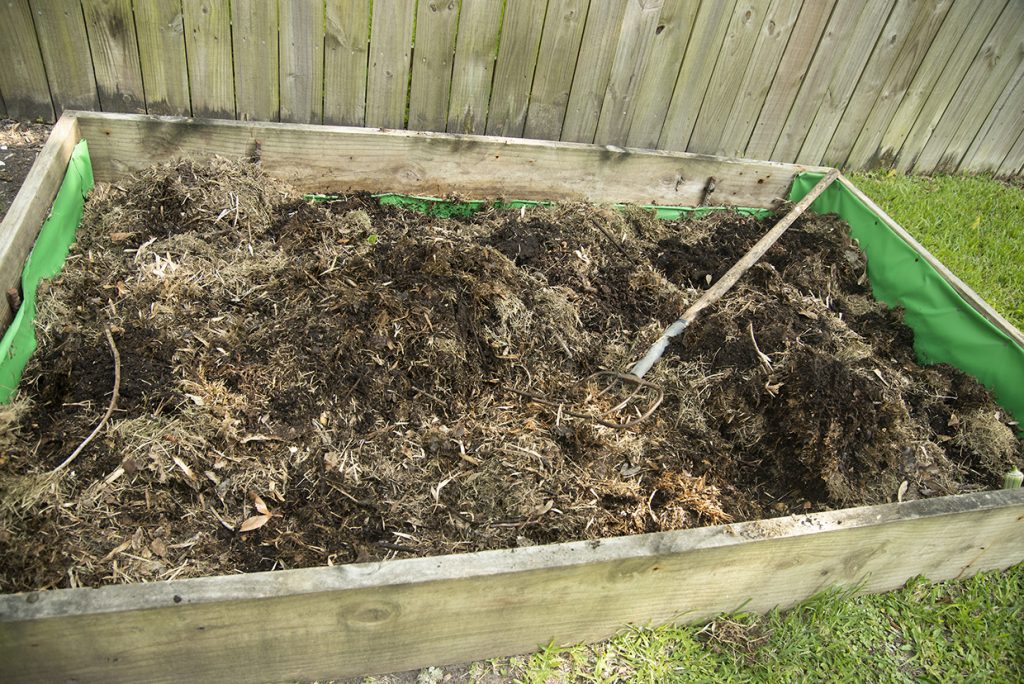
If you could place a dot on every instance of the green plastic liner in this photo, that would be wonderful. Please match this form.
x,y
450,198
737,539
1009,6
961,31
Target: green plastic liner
x,y
946,328
45,261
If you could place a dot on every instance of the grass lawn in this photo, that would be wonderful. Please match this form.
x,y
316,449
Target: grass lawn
x,y
968,630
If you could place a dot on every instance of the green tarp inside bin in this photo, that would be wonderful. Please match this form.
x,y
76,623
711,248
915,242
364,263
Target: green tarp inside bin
x,y
946,328
45,261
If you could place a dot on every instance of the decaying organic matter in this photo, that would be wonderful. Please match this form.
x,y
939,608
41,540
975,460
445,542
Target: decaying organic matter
x,y
304,384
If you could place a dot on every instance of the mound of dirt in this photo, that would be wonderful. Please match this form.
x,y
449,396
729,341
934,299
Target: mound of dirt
x,y
303,384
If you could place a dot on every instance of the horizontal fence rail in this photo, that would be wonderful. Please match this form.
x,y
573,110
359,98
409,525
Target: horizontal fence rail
x,y
916,85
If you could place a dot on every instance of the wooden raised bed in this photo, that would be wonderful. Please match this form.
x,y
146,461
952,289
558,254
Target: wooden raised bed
x,y
341,621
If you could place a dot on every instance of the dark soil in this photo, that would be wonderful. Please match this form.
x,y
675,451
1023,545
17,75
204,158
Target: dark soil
x,y
346,382
19,146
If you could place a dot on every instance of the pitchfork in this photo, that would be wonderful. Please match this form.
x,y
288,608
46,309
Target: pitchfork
x,y
643,397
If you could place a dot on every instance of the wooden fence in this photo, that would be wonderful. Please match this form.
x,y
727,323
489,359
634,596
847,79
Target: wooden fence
x,y
918,85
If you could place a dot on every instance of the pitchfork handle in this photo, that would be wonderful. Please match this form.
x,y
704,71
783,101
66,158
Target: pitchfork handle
x,y
725,283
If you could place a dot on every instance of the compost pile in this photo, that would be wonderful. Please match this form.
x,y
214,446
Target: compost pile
x,y
308,383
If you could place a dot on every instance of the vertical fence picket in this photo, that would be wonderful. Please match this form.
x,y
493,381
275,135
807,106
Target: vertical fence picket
x,y
115,55
390,49
437,23
1000,130
302,61
346,45
254,44
695,74
639,27
593,68
556,64
161,34
476,49
65,47
513,73
654,93
208,48
23,82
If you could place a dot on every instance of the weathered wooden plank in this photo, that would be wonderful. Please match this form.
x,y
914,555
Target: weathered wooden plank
x,y
161,33
869,37
475,53
436,163
999,58
437,25
346,47
635,40
789,76
556,64
695,74
23,81
390,49
30,207
344,621
255,59
654,94
593,68
772,39
302,61
919,61
727,77
907,34
1014,161
208,51
1000,130
60,27
813,88
932,91
969,295
513,74
115,55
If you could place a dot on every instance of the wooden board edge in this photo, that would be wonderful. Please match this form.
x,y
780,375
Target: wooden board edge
x,y
263,585
31,206
393,622
439,163
969,295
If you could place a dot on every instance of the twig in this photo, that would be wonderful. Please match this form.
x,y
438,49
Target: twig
x,y
110,408
764,358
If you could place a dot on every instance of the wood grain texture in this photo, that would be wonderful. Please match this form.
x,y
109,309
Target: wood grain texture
x,y
115,55
983,83
919,63
23,84
475,53
302,60
898,53
593,67
1000,130
815,83
772,39
654,94
208,50
254,43
64,44
31,206
918,115
789,77
733,63
635,41
336,159
346,48
556,64
709,29
437,23
161,33
1013,163
346,621
867,39
513,73
387,82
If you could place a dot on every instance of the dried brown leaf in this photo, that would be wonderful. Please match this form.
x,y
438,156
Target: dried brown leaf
x,y
254,523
